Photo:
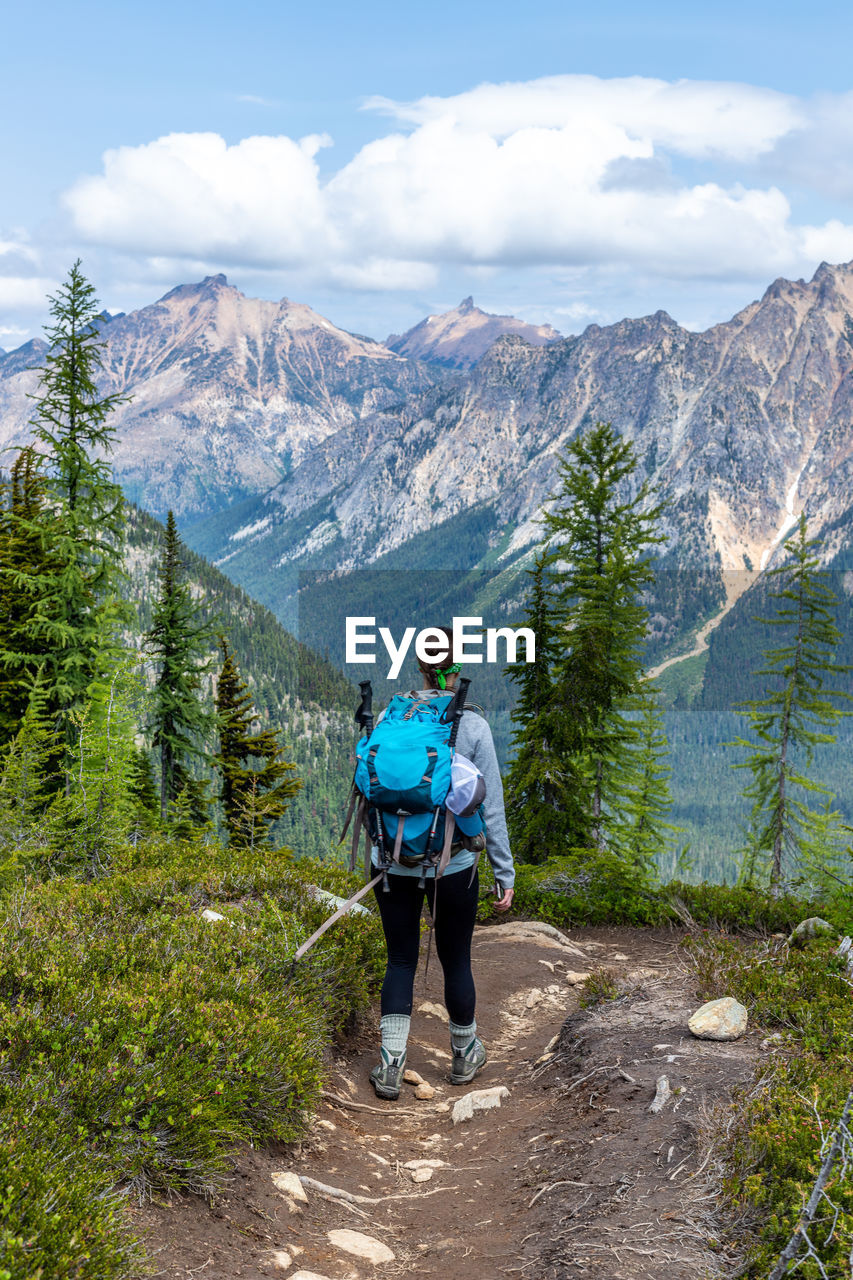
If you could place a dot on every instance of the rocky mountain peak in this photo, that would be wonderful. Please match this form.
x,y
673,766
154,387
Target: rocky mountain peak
x,y
458,338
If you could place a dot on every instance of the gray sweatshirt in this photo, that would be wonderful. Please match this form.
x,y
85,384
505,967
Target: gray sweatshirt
x,y
474,741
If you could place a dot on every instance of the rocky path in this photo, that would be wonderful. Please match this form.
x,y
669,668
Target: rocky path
x,y
569,1176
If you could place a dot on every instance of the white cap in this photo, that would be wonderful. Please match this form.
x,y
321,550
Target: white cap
x,y
467,787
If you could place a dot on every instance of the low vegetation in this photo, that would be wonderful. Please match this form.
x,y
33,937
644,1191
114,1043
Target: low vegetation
x,y
141,1042
588,887
776,1133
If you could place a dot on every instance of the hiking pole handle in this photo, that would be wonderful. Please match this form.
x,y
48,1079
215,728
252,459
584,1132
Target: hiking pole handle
x,y
364,710
460,699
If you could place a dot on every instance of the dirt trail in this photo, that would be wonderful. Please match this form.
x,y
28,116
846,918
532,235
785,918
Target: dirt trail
x,y
570,1177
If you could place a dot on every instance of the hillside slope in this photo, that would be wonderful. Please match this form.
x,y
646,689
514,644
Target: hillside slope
x,y
295,691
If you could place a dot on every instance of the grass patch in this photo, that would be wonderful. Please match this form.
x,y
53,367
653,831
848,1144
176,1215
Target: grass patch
x,y
140,1043
598,988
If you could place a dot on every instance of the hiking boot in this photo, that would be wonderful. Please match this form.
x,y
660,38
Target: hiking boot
x,y
388,1077
467,1062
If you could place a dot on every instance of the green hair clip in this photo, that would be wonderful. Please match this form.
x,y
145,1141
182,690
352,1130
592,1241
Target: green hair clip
x,y
447,671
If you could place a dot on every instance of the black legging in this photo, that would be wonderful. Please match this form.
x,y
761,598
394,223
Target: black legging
x,y
400,910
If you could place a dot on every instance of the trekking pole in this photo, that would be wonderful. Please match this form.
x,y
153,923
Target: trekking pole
x,y
364,710
364,717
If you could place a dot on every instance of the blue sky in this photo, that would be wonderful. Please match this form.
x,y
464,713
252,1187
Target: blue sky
x,y
622,161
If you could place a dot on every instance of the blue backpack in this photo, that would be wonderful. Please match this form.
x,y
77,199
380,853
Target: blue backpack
x,y
403,775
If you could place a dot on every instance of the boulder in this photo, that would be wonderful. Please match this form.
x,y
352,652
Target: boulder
x,y
723,1019
814,927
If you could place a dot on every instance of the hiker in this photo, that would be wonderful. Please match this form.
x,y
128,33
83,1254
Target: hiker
x,y
458,894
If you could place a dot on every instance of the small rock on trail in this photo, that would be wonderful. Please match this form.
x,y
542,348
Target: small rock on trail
x,y
356,1243
723,1019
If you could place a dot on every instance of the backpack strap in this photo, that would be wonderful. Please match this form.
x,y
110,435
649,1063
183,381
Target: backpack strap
x,y
353,801
398,839
360,816
449,828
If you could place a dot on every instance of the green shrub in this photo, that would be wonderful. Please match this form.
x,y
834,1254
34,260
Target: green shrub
x,y
592,887
773,1157
801,992
159,1039
585,887
56,1218
773,1149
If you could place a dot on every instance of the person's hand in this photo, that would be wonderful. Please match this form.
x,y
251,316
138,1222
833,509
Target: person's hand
x,y
505,902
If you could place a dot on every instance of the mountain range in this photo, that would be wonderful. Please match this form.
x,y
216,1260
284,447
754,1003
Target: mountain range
x,y
283,442
329,475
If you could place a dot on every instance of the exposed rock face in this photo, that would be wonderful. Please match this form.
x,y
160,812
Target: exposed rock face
x,y
457,339
228,393
740,427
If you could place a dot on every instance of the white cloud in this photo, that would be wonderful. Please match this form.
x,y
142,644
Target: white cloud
x,y
694,118
25,293
564,171
192,195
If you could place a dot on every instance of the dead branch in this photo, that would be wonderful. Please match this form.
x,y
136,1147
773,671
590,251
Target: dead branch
x,y
663,1093
363,1106
840,1143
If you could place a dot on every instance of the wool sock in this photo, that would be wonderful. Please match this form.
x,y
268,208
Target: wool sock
x,y
462,1037
394,1028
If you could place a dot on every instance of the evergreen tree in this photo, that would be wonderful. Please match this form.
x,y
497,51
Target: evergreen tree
x,y
30,593
71,422
602,533
254,795
647,800
28,773
793,719
541,788
142,791
178,641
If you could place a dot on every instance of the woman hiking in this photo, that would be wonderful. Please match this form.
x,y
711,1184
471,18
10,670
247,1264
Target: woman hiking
x,y
458,894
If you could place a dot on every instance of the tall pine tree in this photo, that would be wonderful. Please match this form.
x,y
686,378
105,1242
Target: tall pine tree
x,y
542,795
178,640
31,605
257,782
602,530
796,716
644,830
71,422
